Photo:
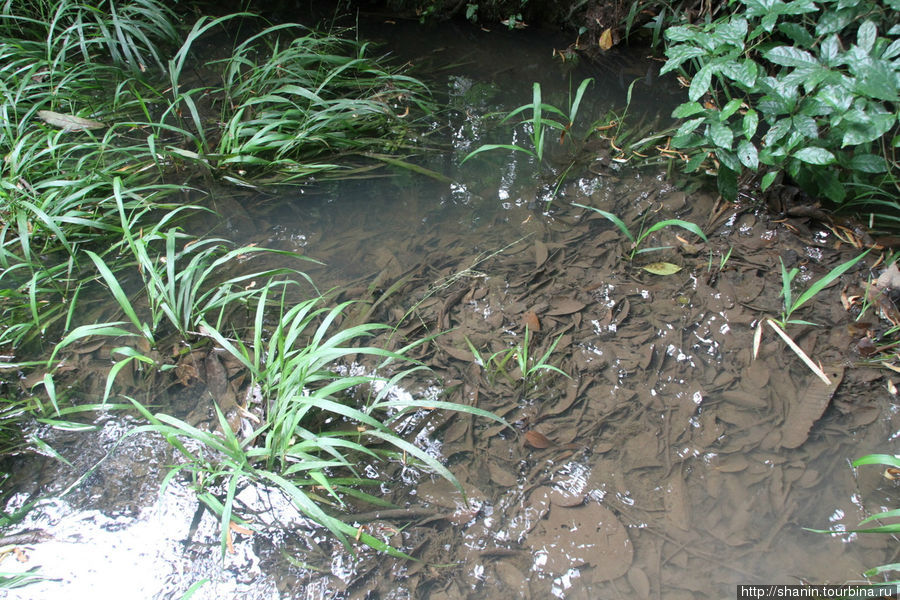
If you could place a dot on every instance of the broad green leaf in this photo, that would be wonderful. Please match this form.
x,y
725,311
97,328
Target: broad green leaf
x,y
743,72
730,108
806,126
829,49
798,34
750,123
790,56
729,159
720,135
688,109
777,131
767,180
661,268
747,154
731,32
678,54
865,36
682,33
726,180
814,155
866,127
868,163
700,83
689,126
877,79
892,50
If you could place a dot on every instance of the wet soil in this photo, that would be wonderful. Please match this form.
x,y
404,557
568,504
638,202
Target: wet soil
x,y
668,463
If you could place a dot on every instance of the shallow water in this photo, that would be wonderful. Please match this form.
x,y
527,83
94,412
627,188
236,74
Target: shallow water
x,y
671,464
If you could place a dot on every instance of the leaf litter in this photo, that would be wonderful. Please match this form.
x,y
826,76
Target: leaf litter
x,y
673,422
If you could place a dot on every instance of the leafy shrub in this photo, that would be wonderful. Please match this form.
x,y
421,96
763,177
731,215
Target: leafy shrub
x,y
805,87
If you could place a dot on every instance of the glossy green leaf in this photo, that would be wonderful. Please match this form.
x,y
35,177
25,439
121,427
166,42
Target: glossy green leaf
x,y
865,36
814,155
730,108
748,155
688,109
868,163
805,125
700,83
726,181
750,123
720,135
678,54
729,159
790,56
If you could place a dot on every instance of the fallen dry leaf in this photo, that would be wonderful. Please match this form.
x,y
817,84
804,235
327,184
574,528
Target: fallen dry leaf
x,y
531,321
536,439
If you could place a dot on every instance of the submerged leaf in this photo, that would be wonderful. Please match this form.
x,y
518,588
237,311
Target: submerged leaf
x,y
661,268
68,122
536,439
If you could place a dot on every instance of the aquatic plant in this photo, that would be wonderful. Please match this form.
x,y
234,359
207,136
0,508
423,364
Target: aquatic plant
x,y
529,368
286,105
643,233
539,123
791,304
892,462
311,432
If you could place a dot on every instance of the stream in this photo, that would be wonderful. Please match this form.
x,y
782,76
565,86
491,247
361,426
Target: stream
x,y
668,463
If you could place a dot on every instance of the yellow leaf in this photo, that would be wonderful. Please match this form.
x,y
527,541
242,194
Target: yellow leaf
x,y
606,40
661,268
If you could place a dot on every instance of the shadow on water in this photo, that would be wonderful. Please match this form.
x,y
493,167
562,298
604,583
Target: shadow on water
x,y
669,464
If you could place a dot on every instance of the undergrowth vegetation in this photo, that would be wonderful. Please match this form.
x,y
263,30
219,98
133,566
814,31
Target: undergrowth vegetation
x,y
804,89
114,116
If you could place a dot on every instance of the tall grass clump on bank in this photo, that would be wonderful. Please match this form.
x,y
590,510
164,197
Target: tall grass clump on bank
x,y
108,134
93,94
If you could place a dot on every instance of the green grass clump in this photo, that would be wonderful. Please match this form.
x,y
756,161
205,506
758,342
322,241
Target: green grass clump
x,y
313,433
102,129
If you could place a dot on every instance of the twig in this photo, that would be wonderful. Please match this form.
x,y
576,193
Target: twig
x,y
799,352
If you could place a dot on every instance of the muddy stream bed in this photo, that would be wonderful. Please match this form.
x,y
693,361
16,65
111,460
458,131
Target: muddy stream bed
x,y
670,464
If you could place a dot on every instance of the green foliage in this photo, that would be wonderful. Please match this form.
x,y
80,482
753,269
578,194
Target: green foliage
x,y
313,433
787,278
643,233
805,87
97,116
538,124
892,462
529,367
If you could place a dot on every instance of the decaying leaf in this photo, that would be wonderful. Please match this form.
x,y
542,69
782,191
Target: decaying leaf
x,y
661,268
807,408
540,253
68,122
564,306
536,439
606,40
531,321
677,510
